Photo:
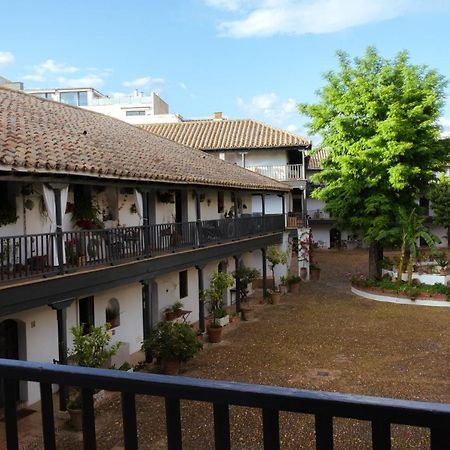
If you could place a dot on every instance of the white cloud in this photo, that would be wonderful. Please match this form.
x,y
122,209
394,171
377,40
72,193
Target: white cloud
x,y
90,80
144,82
6,58
33,77
50,66
182,86
270,17
230,5
270,107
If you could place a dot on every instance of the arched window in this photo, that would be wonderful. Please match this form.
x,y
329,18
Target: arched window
x,y
113,312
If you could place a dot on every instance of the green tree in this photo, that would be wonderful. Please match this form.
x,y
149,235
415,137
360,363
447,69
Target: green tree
x,y
379,121
440,202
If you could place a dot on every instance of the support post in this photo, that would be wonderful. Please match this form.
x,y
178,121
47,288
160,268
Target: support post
x,y
61,317
145,223
264,272
201,303
198,215
147,314
238,284
59,233
263,204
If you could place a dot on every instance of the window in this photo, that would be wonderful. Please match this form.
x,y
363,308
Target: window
x,y
183,284
135,113
220,201
86,311
76,98
47,95
113,313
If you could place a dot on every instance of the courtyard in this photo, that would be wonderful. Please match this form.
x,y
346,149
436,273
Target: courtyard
x,y
323,339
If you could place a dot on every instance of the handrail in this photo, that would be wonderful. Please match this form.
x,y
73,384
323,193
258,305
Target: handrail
x,y
280,172
382,412
30,255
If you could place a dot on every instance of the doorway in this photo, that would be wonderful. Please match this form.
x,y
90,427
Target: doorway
x,y
335,238
9,349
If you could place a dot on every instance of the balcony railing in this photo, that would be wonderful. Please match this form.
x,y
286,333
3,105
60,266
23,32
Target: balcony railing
x,y
284,172
295,220
318,214
270,400
31,255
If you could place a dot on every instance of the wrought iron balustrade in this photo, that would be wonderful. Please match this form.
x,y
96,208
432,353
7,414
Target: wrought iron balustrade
x,y
31,255
270,400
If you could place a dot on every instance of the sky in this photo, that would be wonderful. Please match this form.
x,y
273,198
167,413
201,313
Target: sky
x,y
245,58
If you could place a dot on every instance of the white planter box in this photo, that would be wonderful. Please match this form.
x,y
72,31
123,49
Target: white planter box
x,y
224,321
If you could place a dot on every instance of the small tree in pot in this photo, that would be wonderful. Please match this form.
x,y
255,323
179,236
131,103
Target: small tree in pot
x,y
246,276
91,349
174,343
275,256
219,281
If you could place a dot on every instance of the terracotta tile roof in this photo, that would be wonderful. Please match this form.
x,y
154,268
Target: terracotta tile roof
x,y
41,136
226,134
316,158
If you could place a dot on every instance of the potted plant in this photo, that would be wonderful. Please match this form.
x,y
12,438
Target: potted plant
x,y
174,343
275,256
275,296
219,281
89,350
174,311
294,283
284,284
314,272
246,276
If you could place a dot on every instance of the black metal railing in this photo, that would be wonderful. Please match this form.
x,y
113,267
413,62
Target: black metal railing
x,y
324,406
30,255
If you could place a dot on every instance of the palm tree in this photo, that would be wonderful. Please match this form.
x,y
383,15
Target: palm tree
x,y
409,230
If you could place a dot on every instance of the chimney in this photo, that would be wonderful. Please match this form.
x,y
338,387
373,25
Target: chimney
x,y
218,115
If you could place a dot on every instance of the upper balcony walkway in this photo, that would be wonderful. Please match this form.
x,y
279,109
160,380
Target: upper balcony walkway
x,y
28,256
283,172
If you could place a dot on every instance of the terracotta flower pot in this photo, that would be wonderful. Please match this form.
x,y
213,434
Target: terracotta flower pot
x,y
214,334
76,418
171,316
295,288
275,298
314,273
248,314
171,366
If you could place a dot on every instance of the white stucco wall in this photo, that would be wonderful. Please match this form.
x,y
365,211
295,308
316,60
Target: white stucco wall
x,y
169,293
41,342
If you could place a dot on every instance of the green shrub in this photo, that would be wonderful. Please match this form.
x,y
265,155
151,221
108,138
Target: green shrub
x,y
173,341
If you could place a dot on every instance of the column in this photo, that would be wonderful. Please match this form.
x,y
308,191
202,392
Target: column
x,y
264,272
61,317
238,284
147,313
59,234
201,303
198,216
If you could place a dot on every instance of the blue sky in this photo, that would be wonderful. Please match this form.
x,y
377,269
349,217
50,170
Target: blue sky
x,y
246,58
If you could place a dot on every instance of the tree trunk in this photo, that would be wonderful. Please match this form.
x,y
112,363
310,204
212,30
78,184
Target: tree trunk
x,y
448,237
375,260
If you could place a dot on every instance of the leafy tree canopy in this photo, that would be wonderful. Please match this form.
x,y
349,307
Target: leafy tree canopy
x,y
379,121
440,202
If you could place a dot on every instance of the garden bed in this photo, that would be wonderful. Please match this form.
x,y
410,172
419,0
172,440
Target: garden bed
x,y
401,297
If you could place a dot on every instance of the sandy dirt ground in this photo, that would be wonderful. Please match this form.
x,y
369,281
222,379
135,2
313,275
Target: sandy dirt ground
x,y
323,339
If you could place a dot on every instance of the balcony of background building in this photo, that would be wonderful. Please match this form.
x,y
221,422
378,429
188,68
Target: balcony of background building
x,y
26,256
319,216
284,172
323,407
